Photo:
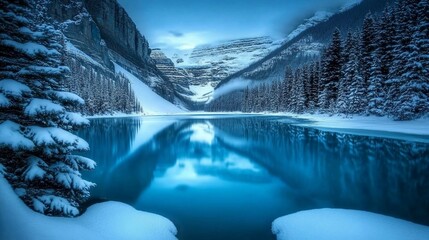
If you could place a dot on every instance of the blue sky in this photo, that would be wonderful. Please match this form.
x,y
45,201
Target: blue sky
x,y
184,24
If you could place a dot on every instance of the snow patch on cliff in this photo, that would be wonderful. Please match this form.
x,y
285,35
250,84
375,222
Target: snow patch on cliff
x,y
151,102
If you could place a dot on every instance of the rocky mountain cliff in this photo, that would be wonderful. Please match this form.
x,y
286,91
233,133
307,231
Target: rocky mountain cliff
x,y
119,31
178,76
104,32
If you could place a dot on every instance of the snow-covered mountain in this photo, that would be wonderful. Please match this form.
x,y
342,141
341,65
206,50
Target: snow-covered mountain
x,y
304,43
207,64
213,62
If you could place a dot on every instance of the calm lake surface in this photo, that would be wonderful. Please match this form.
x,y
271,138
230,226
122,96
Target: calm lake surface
x,y
229,177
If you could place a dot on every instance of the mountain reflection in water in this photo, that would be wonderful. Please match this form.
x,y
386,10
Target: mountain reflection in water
x,y
230,177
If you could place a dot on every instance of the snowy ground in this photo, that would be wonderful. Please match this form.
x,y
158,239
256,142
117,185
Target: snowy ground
x,y
201,93
151,102
333,224
109,220
326,122
419,126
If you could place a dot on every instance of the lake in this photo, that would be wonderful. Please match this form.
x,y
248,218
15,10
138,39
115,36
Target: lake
x,y
229,177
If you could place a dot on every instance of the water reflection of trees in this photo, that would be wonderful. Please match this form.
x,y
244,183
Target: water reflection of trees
x,y
327,169
110,139
340,170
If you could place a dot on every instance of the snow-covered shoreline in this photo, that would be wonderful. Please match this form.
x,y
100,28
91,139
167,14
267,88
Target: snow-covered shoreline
x,y
418,126
332,224
321,121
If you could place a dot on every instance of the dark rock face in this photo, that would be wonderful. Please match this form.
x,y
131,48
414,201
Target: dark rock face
x,y
119,31
104,31
79,28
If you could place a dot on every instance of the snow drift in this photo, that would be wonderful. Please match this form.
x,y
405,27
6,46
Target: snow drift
x,y
109,220
332,224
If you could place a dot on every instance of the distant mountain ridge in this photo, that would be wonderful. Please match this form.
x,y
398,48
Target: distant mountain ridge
x,y
208,64
307,44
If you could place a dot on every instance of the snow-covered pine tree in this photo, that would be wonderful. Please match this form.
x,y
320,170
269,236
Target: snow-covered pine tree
x,y
349,56
368,46
35,142
278,102
385,41
403,29
299,90
331,73
287,89
376,91
413,99
314,85
306,78
245,100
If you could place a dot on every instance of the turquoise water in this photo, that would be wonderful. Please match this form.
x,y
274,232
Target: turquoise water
x,y
230,177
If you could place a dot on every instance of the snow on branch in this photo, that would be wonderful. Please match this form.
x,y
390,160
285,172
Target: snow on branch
x,y
70,178
4,102
12,15
30,48
33,169
79,162
14,88
74,119
66,96
28,32
51,136
58,204
42,70
42,106
12,137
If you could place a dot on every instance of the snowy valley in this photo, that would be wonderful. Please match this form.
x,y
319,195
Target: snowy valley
x,y
165,120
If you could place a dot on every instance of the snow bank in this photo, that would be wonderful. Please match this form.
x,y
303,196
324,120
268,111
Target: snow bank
x,y
419,126
332,224
109,220
151,102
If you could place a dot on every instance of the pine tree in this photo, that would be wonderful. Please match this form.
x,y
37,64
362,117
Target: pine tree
x,y
299,91
413,100
287,89
385,41
376,91
314,85
35,143
349,71
331,73
368,46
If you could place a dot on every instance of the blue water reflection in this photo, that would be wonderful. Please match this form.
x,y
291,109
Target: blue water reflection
x,y
230,177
